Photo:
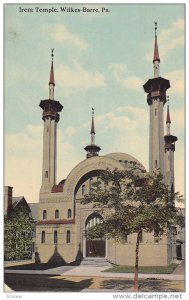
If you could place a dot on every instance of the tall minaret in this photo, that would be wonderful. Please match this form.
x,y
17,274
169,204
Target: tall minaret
x,y
51,109
92,149
169,153
156,98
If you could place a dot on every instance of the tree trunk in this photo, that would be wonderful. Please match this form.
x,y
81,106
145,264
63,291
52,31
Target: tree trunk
x,y
136,286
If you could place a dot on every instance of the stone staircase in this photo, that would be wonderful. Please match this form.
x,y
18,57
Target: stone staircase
x,y
96,262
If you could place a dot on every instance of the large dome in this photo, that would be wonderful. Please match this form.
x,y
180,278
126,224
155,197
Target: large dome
x,y
122,157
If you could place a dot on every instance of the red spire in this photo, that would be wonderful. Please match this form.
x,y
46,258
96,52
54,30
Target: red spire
x,y
156,52
168,115
51,80
92,124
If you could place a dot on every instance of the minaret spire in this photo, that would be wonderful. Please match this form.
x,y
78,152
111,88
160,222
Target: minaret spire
x,y
156,59
92,128
168,119
51,109
51,79
92,149
156,98
169,152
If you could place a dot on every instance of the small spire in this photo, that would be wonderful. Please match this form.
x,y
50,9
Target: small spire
x,y
156,52
92,123
168,120
92,149
51,80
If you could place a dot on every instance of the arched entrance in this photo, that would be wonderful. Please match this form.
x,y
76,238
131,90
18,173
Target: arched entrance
x,y
95,247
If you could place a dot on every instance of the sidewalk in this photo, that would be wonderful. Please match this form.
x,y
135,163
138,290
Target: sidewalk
x,y
88,271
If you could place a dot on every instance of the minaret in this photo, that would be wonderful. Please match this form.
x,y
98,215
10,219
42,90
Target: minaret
x,y
156,98
169,153
51,109
92,149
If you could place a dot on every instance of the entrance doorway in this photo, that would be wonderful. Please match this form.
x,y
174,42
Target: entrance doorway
x,y
94,247
179,251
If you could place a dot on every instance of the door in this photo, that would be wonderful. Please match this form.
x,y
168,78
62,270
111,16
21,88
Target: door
x,y
95,248
179,252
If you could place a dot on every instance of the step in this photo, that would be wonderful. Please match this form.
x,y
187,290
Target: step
x,y
95,261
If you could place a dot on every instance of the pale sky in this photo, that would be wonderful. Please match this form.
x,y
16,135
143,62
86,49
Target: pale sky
x,y
101,60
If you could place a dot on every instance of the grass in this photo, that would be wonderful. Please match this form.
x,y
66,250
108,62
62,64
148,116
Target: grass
x,y
145,270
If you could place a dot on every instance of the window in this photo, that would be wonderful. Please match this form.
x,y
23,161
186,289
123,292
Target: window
x,y
126,238
156,236
43,237
155,111
46,174
68,236
69,213
83,189
56,214
90,183
33,247
156,163
44,214
55,237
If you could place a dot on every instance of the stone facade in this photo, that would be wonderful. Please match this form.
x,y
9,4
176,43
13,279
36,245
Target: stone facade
x,y
63,219
73,216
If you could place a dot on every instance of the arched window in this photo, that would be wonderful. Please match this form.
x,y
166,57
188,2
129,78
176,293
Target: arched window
x,y
55,237
90,183
43,237
44,214
56,214
69,213
68,236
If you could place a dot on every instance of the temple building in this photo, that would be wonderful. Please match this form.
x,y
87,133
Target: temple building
x,y
62,218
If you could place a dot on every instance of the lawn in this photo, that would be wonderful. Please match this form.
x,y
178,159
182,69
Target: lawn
x,y
145,270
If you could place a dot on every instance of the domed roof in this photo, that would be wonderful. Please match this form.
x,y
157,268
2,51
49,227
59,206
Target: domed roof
x,y
123,157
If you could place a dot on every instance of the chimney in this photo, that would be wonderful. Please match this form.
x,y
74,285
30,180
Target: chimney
x,y
7,198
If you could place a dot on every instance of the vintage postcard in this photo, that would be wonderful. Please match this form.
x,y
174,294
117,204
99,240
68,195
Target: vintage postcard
x,y
94,160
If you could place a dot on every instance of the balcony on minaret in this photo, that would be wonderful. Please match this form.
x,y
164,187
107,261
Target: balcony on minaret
x,y
156,89
92,150
170,142
51,109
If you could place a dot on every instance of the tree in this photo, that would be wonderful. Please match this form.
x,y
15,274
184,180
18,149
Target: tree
x,y
18,230
135,202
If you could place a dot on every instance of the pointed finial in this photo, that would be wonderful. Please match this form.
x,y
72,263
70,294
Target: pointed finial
x,y
155,23
92,124
156,52
52,55
51,80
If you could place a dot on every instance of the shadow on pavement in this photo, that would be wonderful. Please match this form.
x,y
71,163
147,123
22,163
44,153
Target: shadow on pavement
x,y
146,285
44,283
33,266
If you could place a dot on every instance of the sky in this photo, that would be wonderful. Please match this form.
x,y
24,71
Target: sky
x,y
101,60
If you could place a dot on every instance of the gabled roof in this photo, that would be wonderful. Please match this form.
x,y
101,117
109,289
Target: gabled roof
x,y
17,200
